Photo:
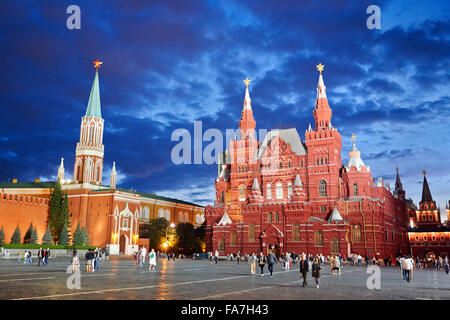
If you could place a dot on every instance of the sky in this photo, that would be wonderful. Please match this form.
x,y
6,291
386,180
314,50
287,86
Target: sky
x,y
170,63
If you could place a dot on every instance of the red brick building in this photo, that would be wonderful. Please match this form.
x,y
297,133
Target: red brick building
x,y
297,196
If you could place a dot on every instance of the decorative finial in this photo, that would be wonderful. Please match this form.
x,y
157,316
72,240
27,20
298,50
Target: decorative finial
x,y
396,168
424,172
353,137
247,82
320,67
97,64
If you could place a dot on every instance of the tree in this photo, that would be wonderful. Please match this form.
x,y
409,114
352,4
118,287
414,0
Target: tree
x,y
64,236
2,235
27,236
58,212
187,240
85,237
78,236
157,231
16,236
47,238
34,236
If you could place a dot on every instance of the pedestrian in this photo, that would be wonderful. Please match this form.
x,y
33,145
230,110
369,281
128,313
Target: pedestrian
x,y
271,259
92,260
304,268
446,265
253,260
152,260
87,256
47,255
75,261
238,257
216,256
39,255
261,262
402,269
407,265
143,254
316,266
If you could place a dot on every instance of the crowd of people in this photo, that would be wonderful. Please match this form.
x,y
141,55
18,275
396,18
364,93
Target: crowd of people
x,y
141,257
42,256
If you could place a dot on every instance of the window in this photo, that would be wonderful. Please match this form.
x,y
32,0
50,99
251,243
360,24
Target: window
x,y
334,245
386,234
143,231
296,232
221,244
301,163
356,233
417,238
269,217
125,223
251,232
425,238
186,217
269,192
279,191
242,193
317,161
430,217
222,197
423,217
289,189
323,208
325,160
318,238
355,189
321,161
233,239
277,217
322,189
180,217
433,237
161,213
442,238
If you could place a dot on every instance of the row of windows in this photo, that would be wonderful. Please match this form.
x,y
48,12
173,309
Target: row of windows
x,y
321,161
433,238
430,216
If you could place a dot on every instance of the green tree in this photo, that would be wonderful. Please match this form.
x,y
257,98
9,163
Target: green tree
x,y
27,236
16,236
157,231
85,237
34,236
187,240
58,212
64,236
47,238
78,236
2,235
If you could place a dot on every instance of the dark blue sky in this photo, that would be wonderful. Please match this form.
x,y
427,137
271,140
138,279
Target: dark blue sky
x,y
168,63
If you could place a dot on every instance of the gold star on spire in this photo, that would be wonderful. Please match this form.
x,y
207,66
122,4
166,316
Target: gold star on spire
x,y
353,137
424,172
247,82
97,64
320,67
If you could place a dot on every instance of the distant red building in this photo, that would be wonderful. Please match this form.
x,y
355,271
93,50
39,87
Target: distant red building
x,y
428,236
294,196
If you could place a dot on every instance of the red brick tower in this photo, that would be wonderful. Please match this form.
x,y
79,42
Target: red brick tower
x,y
324,155
90,150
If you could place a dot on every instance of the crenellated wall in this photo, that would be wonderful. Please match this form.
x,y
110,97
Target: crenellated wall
x,y
19,210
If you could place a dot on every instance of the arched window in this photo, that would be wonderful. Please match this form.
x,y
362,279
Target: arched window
x,y
241,193
321,161
186,217
222,197
296,232
269,217
161,213
356,233
355,189
221,244
335,245
317,161
180,217
233,238
146,213
279,191
325,160
318,238
289,189
251,232
167,214
322,189
269,192
301,163
430,217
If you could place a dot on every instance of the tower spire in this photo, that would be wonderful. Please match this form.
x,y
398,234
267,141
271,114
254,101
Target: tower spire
x,y
426,193
113,176
247,123
61,171
94,107
322,112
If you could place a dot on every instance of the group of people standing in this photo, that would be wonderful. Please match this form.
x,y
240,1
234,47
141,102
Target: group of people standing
x,y
142,256
93,258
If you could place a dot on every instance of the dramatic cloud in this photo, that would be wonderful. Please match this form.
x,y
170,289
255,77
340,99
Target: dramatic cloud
x,y
170,63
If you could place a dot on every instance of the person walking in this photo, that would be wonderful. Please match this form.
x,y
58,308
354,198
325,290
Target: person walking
x,y
304,268
39,256
446,266
271,259
253,258
407,266
152,260
261,262
216,256
75,261
238,257
87,256
47,255
315,268
143,254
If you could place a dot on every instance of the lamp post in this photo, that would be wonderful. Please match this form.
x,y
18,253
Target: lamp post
x,y
165,245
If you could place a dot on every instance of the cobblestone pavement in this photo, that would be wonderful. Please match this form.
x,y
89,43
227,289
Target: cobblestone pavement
x,y
199,280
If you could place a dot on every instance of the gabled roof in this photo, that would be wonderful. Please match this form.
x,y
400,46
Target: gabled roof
x,y
225,220
289,136
426,193
335,216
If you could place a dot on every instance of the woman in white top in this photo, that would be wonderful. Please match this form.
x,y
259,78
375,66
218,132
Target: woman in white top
x,y
152,260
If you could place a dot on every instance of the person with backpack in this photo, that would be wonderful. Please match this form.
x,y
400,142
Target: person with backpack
x,y
304,268
261,262
316,267
270,261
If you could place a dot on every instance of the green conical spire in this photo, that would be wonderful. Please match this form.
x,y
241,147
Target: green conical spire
x,y
94,107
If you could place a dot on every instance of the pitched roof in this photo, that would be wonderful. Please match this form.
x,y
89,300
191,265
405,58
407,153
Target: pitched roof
x,y
289,136
426,193
335,216
225,220
94,106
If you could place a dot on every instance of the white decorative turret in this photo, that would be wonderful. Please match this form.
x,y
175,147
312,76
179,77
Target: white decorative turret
x,y
355,158
61,171
113,176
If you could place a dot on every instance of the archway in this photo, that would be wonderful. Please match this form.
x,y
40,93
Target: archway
x,y
275,248
122,243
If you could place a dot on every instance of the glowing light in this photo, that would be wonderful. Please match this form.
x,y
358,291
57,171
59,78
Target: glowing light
x,y
172,225
165,245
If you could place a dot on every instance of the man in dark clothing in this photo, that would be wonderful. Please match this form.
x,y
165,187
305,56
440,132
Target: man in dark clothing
x,y
270,261
40,256
304,268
